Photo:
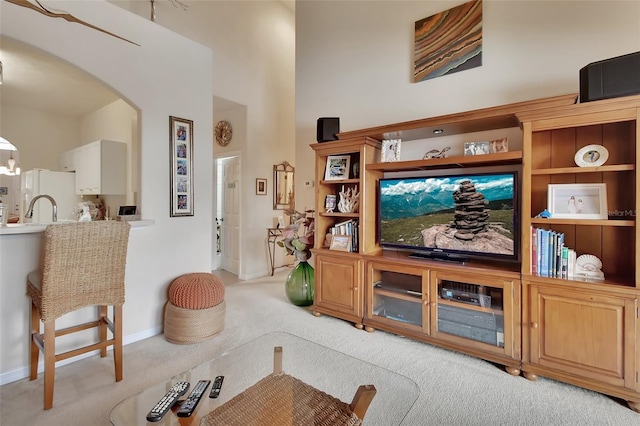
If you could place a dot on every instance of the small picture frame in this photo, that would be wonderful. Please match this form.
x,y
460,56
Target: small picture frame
x,y
261,186
340,242
476,148
330,203
591,156
127,210
577,201
338,167
391,150
499,145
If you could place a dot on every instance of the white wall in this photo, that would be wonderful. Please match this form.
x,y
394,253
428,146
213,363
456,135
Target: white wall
x,y
354,60
39,136
253,45
149,77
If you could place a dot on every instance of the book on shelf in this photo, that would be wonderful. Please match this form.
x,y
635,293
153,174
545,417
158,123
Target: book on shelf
x,y
559,248
564,270
538,250
571,263
544,253
549,255
553,241
348,227
534,251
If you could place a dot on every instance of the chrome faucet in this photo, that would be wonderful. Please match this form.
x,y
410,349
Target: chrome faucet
x,y
29,213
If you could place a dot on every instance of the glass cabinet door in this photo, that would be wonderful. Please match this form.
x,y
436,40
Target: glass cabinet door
x,y
399,296
472,308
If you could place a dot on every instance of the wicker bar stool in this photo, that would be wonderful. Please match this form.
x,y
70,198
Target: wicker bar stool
x,y
196,308
83,264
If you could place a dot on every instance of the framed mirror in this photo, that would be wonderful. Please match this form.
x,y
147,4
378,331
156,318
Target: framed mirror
x,y
283,190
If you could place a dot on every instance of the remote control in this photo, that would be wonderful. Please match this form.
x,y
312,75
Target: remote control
x,y
157,413
189,405
217,385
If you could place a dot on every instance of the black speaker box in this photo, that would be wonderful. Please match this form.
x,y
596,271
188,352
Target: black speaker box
x,y
328,128
610,78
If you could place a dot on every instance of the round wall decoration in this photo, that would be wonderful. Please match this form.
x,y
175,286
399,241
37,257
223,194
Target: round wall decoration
x,y
223,133
591,156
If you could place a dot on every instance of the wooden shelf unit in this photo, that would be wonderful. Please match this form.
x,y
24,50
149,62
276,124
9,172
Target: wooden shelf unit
x,y
550,141
579,332
563,318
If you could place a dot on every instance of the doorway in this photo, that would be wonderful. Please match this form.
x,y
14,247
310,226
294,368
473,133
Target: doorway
x,y
228,212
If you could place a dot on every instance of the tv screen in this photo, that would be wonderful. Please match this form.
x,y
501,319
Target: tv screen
x,y
451,216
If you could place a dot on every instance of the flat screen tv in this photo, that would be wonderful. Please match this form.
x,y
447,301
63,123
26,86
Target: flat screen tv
x,y
451,216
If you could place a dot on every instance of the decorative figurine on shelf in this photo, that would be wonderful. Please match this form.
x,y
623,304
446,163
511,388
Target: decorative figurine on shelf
x,y
544,214
434,153
356,170
588,266
349,200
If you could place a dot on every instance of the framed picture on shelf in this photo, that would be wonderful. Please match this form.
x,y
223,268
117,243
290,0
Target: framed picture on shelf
x,y
477,148
340,242
261,186
181,157
391,150
577,200
330,203
499,145
338,167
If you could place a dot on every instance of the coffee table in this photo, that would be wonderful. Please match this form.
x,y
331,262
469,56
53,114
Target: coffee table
x,y
325,369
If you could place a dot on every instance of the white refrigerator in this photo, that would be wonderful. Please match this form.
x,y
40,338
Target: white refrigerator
x,y
61,186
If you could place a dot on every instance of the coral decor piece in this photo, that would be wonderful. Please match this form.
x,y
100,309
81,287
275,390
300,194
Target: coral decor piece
x,y
349,200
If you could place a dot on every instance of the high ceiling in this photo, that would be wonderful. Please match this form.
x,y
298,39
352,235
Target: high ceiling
x,y
37,80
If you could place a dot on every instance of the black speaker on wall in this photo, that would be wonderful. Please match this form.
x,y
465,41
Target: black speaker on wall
x,y
328,128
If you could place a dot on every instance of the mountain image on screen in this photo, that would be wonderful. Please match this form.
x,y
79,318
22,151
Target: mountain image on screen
x,y
462,214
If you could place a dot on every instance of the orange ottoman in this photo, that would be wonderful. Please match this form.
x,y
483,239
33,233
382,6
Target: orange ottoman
x,y
195,310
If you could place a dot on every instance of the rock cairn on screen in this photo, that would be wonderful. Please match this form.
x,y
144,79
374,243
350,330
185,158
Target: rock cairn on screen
x,y
471,216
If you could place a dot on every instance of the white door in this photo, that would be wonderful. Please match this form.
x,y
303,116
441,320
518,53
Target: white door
x,y
230,229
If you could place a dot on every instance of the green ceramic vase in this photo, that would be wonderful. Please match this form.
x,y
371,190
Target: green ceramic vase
x,y
300,284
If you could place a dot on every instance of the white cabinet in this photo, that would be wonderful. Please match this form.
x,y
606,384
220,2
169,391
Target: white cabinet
x,y
101,168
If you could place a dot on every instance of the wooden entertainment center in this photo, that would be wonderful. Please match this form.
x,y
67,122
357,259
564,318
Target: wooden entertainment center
x,y
583,332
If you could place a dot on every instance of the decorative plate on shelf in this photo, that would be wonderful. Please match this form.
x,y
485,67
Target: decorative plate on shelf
x,y
223,133
591,156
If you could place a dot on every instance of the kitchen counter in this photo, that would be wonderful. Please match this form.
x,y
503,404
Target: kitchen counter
x,y
20,247
31,228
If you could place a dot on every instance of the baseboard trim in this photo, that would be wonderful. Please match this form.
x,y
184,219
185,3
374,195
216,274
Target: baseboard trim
x,y
23,372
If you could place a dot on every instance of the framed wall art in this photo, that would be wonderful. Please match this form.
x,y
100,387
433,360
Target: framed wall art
x,y
181,158
577,200
448,42
261,186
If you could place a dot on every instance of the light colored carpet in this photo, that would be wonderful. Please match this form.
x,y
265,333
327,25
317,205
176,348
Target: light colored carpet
x,y
455,389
